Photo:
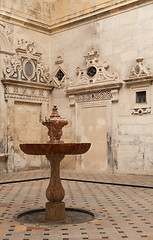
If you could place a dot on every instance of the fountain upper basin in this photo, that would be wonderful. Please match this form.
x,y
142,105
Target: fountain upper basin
x,y
55,148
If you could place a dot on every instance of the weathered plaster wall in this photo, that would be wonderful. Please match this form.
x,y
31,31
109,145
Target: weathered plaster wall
x,y
119,40
120,32
52,16
20,116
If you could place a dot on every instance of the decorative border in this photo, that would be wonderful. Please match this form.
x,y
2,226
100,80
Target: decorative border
x,y
100,95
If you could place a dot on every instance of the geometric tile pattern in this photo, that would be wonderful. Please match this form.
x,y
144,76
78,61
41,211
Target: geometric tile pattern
x,y
121,212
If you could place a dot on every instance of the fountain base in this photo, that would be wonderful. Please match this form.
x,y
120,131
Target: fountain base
x,y
55,211
72,216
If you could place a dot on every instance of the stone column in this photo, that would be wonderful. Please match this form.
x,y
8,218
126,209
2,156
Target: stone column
x,y
55,208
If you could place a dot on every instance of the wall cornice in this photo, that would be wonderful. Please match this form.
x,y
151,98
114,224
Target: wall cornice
x,y
49,25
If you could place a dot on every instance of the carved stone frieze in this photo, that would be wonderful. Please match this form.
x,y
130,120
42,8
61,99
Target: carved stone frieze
x,y
26,92
139,73
100,95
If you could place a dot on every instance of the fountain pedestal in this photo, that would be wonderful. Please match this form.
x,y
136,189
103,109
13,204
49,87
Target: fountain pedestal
x,y
55,208
55,150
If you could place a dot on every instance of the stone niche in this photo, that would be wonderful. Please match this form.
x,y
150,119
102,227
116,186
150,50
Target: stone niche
x,y
27,90
91,97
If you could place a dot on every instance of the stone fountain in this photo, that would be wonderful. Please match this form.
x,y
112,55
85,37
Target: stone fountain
x,y
55,150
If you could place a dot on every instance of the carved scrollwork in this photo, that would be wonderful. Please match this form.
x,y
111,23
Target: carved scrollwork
x,y
93,73
139,73
26,64
94,78
26,77
140,70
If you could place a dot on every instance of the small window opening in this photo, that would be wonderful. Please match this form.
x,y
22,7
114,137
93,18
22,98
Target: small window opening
x,y
59,75
141,97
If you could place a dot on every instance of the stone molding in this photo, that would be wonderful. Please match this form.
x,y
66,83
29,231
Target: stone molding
x,y
25,75
38,15
93,77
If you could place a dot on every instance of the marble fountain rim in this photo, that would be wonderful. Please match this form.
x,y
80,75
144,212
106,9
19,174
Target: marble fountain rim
x,y
55,148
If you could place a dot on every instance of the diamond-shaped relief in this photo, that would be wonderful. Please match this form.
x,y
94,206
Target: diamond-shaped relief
x,y
60,75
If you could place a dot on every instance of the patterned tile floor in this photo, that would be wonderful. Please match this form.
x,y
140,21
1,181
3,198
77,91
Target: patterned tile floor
x,y
121,211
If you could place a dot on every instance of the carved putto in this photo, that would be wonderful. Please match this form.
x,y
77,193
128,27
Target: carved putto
x,y
26,64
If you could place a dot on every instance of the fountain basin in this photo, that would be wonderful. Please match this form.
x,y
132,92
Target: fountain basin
x,y
55,148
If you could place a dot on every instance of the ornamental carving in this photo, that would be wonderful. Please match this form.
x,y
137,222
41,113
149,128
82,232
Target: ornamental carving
x,y
26,65
59,76
93,77
25,76
100,95
139,73
8,31
93,72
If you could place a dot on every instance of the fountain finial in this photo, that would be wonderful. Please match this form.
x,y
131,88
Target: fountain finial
x,y
55,124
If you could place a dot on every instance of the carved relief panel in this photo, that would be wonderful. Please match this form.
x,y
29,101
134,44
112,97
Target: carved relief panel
x,y
95,80
25,76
